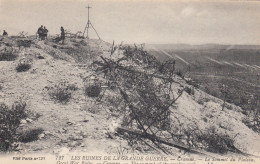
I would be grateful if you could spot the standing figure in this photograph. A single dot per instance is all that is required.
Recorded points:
(45, 33)
(5, 33)
(40, 32)
(62, 35)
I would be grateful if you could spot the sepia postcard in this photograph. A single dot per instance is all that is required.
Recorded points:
(129, 82)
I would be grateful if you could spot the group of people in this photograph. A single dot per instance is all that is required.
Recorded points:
(42, 32)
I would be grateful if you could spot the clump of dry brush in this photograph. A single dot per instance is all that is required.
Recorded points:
(62, 92)
(143, 83)
(145, 86)
(8, 54)
(11, 133)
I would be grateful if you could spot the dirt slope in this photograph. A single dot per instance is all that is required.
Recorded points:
(62, 123)
(82, 123)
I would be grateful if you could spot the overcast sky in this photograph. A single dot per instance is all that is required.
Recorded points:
(193, 22)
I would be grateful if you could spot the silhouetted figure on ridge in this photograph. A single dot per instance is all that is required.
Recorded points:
(62, 35)
(5, 33)
(45, 33)
(40, 32)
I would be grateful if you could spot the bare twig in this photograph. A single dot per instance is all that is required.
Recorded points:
(170, 143)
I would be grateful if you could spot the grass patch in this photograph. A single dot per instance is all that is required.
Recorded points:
(192, 82)
(30, 135)
(24, 43)
(72, 87)
(217, 143)
(8, 55)
(93, 110)
(10, 118)
(201, 100)
(62, 92)
(210, 140)
(23, 67)
(41, 57)
(189, 90)
(92, 91)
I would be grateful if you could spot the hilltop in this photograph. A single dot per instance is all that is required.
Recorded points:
(129, 85)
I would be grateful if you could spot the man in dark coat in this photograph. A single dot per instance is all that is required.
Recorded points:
(40, 32)
(62, 35)
(45, 32)
(5, 33)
